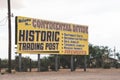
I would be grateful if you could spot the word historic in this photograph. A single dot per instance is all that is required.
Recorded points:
(42, 40)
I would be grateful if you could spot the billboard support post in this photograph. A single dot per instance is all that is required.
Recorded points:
(20, 61)
(38, 62)
(56, 62)
(85, 65)
(30, 65)
(72, 63)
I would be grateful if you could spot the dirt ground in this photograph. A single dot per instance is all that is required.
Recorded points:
(79, 74)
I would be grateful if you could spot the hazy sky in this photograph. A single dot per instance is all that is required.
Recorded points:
(101, 16)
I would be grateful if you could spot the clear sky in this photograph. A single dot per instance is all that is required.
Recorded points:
(101, 16)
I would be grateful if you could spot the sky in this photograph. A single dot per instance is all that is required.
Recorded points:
(101, 16)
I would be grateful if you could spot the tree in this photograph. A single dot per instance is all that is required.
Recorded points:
(98, 55)
(118, 55)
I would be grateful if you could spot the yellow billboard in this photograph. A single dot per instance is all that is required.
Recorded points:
(49, 37)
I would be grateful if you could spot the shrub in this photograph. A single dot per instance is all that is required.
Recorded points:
(106, 65)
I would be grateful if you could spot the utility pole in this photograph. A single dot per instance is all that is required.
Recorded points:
(9, 37)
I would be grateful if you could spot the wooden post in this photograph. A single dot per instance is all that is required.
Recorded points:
(38, 62)
(9, 37)
(72, 63)
(30, 65)
(85, 63)
(56, 62)
(20, 62)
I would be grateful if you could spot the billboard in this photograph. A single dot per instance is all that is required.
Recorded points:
(36, 36)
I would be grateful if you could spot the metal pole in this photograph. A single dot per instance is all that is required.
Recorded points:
(72, 63)
(38, 62)
(20, 62)
(9, 37)
(85, 63)
(56, 62)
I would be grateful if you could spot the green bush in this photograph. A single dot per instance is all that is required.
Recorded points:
(43, 68)
(106, 65)
(44, 64)
(52, 67)
(117, 65)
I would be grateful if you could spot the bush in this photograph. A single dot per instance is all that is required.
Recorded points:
(52, 67)
(117, 65)
(44, 68)
(44, 64)
(106, 65)
(24, 64)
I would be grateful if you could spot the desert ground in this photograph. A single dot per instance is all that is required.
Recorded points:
(65, 74)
